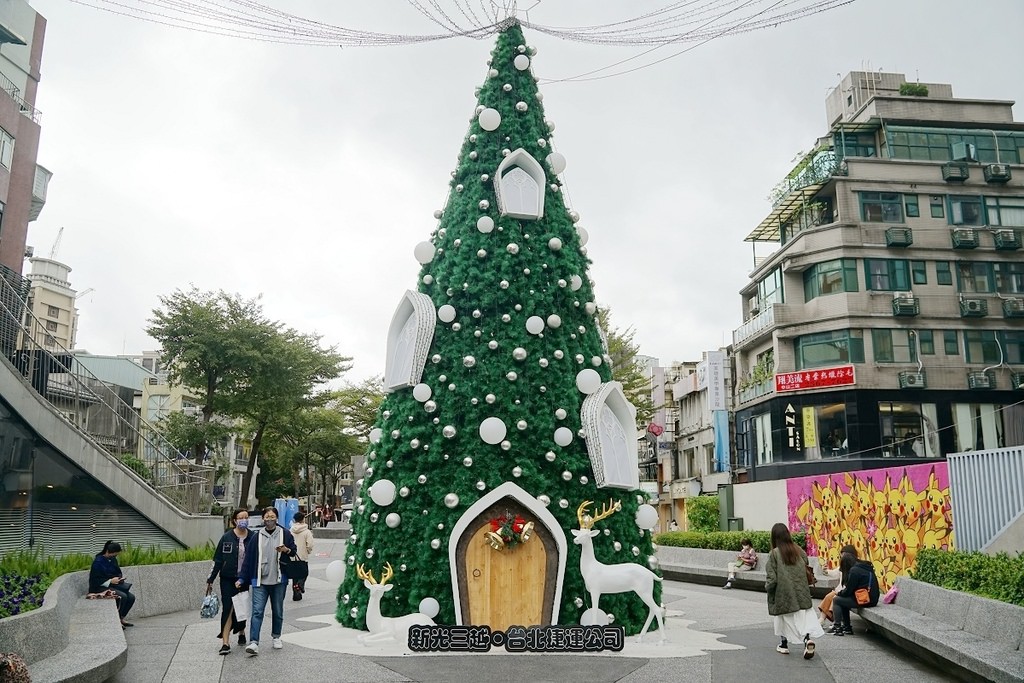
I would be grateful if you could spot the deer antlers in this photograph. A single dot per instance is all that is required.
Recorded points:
(586, 521)
(368, 576)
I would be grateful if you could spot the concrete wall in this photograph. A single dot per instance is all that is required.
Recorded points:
(189, 530)
(761, 504)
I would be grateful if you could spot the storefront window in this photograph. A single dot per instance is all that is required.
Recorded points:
(908, 430)
(761, 437)
(824, 431)
(978, 426)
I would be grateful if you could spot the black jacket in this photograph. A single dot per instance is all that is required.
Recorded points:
(103, 569)
(862, 575)
(225, 559)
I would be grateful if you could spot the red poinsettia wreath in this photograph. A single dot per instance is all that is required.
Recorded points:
(508, 531)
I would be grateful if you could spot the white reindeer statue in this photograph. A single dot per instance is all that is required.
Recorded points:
(614, 578)
(386, 628)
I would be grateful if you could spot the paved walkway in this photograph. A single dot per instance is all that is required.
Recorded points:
(718, 636)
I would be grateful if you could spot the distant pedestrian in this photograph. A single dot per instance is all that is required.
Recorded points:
(105, 574)
(745, 561)
(789, 596)
(227, 562)
(673, 526)
(328, 514)
(298, 568)
(262, 571)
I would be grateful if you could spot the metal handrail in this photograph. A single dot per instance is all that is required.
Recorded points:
(94, 408)
(9, 87)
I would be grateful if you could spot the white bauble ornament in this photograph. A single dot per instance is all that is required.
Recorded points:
(421, 392)
(435, 543)
(596, 361)
(429, 406)
(543, 362)
(489, 119)
(521, 106)
(469, 361)
(438, 213)
(393, 520)
(556, 162)
(534, 324)
(512, 248)
(588, 381)
(579, 356)
(511, 376)
(480, 486)
(446, 314)
(519, 353)
(428, 279)
(429, 607)
(575, 282)
(449, 432)
(336, 572)
(414, 444)
(492, 345)
(490, 398)
(550, 456)
(493, 430)
(375, 435)
(451, 500)
(566, 475)
(563, 436)
(583, 235)
(590, 307)
(424, 252)
(554, 244)
(521, 62)
(517, 471)
(506, 318)
(484, 205)
(563, 503)
(507, 87)
(617, 546)
(554, 322)
(382, 492)
(404, 492)
(560, 413)
(521, 425)
(481, 253)
(467, 461)
(544, 500)
(485, 224)
(646, 517)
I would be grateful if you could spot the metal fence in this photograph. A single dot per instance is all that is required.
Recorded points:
(95, 409)
(987, 491)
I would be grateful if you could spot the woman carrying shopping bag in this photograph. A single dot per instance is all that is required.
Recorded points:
(789, 595)
(298, 568)
(227, 561)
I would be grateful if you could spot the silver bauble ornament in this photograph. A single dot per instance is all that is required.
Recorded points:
(451, 500)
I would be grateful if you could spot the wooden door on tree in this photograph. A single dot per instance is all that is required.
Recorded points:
(513, 586)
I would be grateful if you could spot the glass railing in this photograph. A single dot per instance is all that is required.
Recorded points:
(816, 167)
(759, 323)
(100, 412)
(758, 390)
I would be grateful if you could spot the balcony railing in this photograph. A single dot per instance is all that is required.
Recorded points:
(759, 323)
(8, 86)
(93, 407)
(816, 167)
(758, 390)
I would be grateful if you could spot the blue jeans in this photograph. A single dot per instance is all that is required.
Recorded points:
(260, 595)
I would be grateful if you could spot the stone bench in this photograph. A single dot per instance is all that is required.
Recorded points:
(74, 639)
(699, 565)
(69, 638)
(972, 637)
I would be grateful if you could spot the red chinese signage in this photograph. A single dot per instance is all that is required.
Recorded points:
(820, 378)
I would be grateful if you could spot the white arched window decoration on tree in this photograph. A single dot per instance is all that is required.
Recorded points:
(520, 186)
(409, 337)
(609, 422)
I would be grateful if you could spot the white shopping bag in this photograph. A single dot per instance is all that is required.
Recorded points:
(242, 602)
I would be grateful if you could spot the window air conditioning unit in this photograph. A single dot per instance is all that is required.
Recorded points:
(903, 295)
(997, 173)
(153, 380)
(1006, 239)
(980, 380)
(755, 307)
(974, 306)
(912, 380)
(1013, 304)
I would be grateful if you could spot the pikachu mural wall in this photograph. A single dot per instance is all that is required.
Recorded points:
(887, 514)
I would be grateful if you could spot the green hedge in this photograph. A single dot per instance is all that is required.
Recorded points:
(25, 575)
(999, 577)
(723, 540)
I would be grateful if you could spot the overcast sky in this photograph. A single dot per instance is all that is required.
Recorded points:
(308, 174)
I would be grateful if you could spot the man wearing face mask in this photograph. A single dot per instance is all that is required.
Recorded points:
(261, 569)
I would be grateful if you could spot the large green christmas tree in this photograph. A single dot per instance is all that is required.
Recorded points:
(499, 381)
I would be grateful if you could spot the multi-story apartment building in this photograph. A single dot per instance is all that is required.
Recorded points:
(22, 181)
(51, 300)
(889, 322)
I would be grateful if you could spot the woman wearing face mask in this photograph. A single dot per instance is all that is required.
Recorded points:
(227, 561)
(264, 553)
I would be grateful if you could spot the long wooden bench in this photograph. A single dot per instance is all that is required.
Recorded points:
(708, 567)
(971, 637)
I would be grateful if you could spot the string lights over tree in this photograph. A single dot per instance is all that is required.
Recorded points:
(501, 416)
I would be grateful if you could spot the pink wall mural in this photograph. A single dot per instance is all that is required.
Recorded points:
(887, 514)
